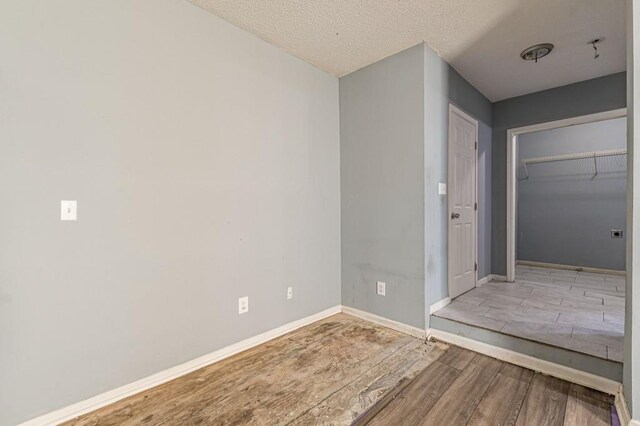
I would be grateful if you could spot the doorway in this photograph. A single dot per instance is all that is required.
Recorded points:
(514, 166)
(462, 202)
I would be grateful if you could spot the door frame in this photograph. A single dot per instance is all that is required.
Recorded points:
(512, 168)
(455, 110)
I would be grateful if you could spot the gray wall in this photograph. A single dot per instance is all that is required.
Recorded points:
(631, 379)
(206, 166)
(382, 187)
(443, 85)
(394, 124)
(565, 215)
(587, 97)
(466, 97)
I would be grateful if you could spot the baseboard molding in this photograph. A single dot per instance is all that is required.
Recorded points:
(72, 411)
(386, 322)
(571, 267)
(560, 371)
(622, 409)
(483, 281)
(439, 305)
(501, 278)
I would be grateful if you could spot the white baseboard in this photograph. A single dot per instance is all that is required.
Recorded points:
(495, 277)
(439, 305)
(622, 409)
(386, 322)
(483, 281)
(571, 267)
(72, 411)
(560, 371)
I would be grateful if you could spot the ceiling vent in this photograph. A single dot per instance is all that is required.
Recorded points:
(536, 52)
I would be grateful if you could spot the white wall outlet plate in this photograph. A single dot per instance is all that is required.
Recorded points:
(289, 293)
(442, 188)
(243, 305)
(381, 288)
(68, 210)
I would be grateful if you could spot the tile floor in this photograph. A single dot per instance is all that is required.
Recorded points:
(575, 310)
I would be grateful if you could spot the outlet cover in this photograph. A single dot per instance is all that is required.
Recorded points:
(617, 233)
(243, 305)
(68, 210)
(381, 288)
(289, 293)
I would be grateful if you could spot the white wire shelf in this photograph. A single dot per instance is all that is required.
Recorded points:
(577, 156)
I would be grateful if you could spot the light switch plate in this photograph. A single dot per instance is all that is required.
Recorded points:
(243, 305)
(68, 210)
(381, 288)
(442, 188)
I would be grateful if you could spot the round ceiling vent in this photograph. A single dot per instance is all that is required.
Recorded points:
(536, 52)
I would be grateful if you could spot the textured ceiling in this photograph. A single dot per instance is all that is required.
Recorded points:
(482, 39)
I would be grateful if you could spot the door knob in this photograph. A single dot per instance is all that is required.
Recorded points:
(455, 215)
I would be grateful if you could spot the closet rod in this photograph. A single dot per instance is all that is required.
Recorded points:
(578, 156)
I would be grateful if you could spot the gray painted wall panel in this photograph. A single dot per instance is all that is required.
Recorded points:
(587, 97)
(382, 187)
(390, 112)
(565, 215)
(484, 199)
(206, 166)
(443, 85)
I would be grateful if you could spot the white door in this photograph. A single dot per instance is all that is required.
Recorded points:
(463, 131)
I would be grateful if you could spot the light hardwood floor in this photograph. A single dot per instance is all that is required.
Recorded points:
(580, 311)
(343, 369)
(465, 388)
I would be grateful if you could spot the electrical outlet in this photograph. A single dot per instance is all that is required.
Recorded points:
(617, 233)
(243, 305)
(289, 293)
(68, 210)
(381, 288)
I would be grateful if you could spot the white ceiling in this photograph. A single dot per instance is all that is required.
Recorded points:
(482, 39)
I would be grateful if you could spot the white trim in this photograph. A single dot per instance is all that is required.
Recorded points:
(439, 305)
(634, 422)
(483, 281)
(386, 322)
(623, 409)
(560, 371)
(72, 411)
(571, 267)
(455, 110)
(512, 169)
(500, 278)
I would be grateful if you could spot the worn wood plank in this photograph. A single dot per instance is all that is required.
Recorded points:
(586, 407)
(463, 396)
(415, 401)
(457, 357)
(376, 386)
(275, 382)
(545, 403)
(501, 404)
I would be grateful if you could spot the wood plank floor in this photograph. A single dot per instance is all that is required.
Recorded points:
(574, 310)
(465, 388)
(343, 369)
(326, 373)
